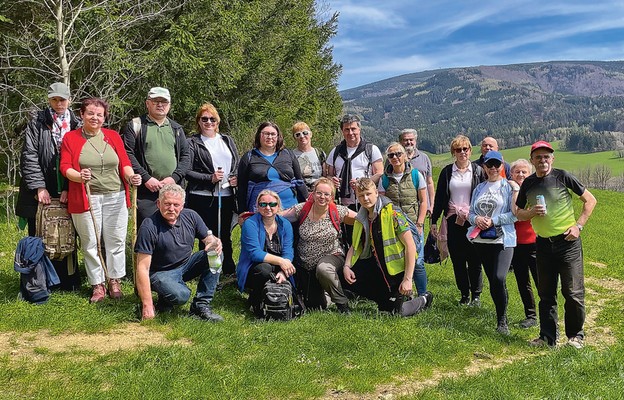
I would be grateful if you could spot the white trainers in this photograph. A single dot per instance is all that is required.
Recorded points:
(576, 342)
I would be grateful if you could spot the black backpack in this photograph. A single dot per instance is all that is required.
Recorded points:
(278, 302)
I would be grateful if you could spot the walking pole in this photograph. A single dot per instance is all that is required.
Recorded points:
(133, 195)
(219, 212)
(97, 233)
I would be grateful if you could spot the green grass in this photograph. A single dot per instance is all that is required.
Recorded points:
(321, 354)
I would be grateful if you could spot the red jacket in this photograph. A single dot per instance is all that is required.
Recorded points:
(73, 141)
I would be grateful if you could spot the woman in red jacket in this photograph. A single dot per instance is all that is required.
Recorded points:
(96, 157)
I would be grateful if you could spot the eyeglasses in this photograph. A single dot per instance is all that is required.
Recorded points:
(302, 133)
(493, 164)
(268, 134)
(322, 194)
(461, 149)
(208, 119)
(397, 154)
(162, 101)
(263, 204)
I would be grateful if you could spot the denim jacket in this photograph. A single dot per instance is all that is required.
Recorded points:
(505, 219)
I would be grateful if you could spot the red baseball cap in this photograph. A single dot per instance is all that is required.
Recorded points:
(542, 144)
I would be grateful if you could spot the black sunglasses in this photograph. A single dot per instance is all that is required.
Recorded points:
(397, 154)
(263, 204)
(302, 133)
(207, 119)
(461, 149)
(493, 163)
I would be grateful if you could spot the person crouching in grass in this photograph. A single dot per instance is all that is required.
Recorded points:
(380, 262)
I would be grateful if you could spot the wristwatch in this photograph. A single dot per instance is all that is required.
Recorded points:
(418, 224)
(580, 227)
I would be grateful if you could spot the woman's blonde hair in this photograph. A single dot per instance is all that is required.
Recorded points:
(458, 142)
(267, 192)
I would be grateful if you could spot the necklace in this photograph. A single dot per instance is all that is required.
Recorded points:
(317, 216)
(271, 228)
(100, 153)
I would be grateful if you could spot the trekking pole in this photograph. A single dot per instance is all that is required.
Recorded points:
(133, 199)
(219, 211)
(97, 232)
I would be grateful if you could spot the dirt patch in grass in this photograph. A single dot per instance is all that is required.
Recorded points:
(129, 337)
(598, 336)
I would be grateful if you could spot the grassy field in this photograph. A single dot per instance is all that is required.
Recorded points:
(71, 349)
(570, 161)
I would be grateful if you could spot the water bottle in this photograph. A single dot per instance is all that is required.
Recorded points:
(540, 200)
(214, 260)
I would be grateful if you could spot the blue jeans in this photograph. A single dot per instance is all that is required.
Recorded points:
(170, 284)
(420, 274)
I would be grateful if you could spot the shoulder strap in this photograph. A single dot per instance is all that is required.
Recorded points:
(334, 217)
(415, 178)
(320, 154)
(136, 126)
(384, 181)
(307, 206)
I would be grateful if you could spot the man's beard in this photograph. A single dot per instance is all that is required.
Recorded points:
(409, 149)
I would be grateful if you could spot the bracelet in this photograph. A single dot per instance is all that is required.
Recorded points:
(420, 224)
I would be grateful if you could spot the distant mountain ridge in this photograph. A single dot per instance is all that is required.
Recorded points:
(516, 104)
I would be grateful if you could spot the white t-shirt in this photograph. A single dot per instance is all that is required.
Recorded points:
(221, 157)
(359, 166)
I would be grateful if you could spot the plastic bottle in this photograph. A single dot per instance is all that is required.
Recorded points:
(214, 260)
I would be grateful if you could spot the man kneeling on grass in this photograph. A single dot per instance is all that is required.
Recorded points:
(165, 258)
(380, 262)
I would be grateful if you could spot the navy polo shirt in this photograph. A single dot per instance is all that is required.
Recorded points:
(170, 245)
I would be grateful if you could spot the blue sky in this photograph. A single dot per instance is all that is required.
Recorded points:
(385, 38)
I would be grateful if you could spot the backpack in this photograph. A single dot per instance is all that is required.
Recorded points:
(411, 223)
(320, 154)
(55, 228)
(385, 182)
(278, 302)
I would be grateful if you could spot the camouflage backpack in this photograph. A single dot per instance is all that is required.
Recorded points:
(55, 228)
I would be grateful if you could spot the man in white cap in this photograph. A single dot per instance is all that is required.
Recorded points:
(158, 150)
(545, 199)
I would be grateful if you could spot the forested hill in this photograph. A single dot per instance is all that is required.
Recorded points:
(580, 102)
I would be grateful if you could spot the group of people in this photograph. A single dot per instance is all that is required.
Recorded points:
(331, 225)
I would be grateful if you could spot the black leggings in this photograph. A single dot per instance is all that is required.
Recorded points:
(496, 260)
(466, 262)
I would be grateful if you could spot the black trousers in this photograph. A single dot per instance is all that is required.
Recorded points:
(466, 261)
(524, 263)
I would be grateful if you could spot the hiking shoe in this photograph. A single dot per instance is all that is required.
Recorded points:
(343, 308)
(428, 298)
(541, 342)
(205, 313)
(528, 323)
(502, 327)
(162, 306)
(464, 301)
(99, 293)
(576, 342)
(114, 288)
(476, 302)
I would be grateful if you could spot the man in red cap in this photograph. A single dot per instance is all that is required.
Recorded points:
(545, 199)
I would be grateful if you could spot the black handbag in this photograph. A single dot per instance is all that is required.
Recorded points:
(432, 253)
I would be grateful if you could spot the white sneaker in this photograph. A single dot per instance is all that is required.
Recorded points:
(576, 342)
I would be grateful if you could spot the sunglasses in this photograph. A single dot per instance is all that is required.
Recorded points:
(493, 164)
(461, 150)
(302, 133)
(397, 154)
(263, 204)
(208, 119)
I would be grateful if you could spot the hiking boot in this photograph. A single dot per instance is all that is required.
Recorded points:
(114, 288)
(99, 293)
(541, 342)
(464, 301)
(343, 308)
(502, 327)
(576, 342)
(428, 298)
(528, 323)
(162, 306)
(205, 313)
(476, 302)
